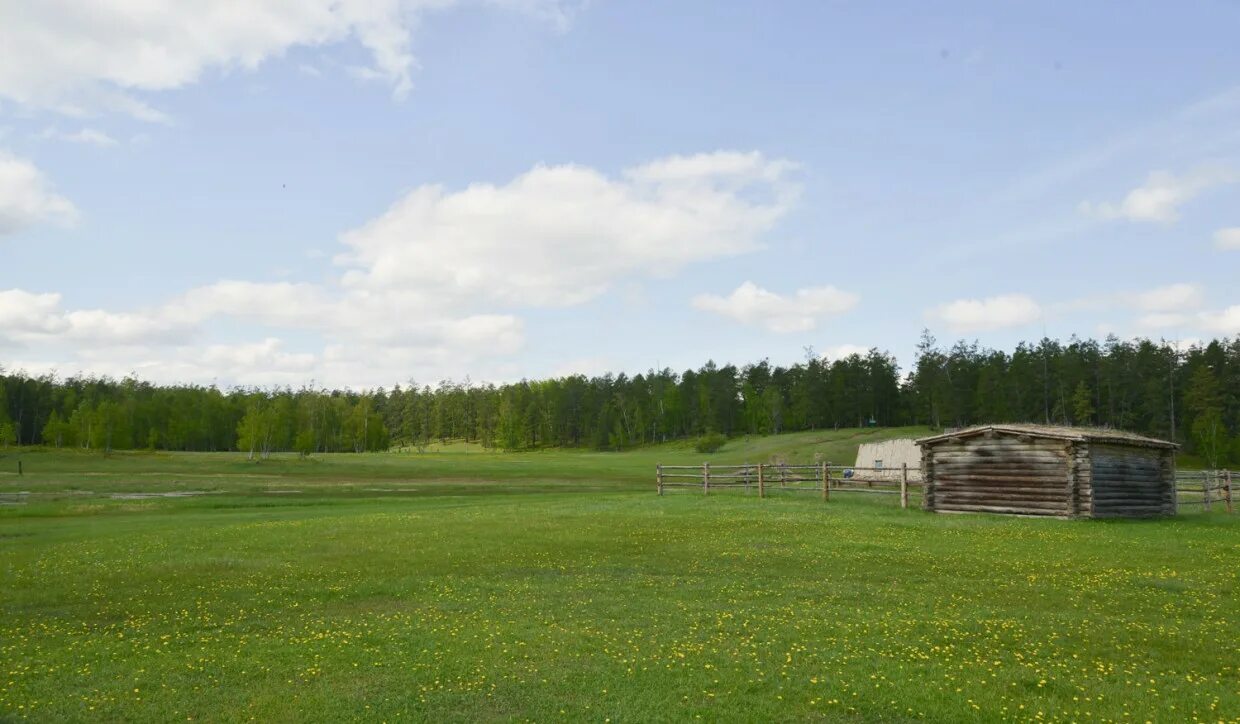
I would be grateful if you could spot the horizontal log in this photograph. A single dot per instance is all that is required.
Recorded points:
(1121, 451)
(985, 452)
(1002, 492)
(1112, 487)
(1047, 503)
(1123, 500)
(1029, 453)
(1117, 488)
(1046, 500)
(1135, 514)
(1052, 505)
(1165, 493)
(1114, 478)
(963, 508)
(1060, 479)
(1007, 441)
(1127, 474)
(999, 464)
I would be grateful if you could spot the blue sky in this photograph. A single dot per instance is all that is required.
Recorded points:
(363, 192)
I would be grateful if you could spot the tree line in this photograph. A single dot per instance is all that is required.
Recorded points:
(1192, 397)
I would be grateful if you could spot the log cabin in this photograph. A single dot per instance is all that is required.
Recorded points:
(1066, 472)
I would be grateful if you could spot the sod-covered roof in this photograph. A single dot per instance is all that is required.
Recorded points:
(1054, 432)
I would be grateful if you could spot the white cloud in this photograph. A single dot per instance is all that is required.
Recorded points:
(800, 312)
(1164, 320)
(1170, 298)
(23, 313)
(1160, 197)
(29, 317)
(89, 136)
(241, 359)
(843, 351)
(26, 197)
(431, 287)
(1225, 322)
(561, 235)
(83, 57)
(1227, 239)
(586, 366)
(1000, 312)
(255, 363)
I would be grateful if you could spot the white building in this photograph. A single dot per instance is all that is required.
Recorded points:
(889, 455)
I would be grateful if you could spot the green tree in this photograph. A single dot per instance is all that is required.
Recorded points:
(1082, 404)
(1210, 437)
(57, 431)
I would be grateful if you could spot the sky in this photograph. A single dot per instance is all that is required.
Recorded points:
(360, 193)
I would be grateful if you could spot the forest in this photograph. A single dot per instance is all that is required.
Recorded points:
(1190, 396)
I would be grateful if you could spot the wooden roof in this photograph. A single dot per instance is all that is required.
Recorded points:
(1055, 432)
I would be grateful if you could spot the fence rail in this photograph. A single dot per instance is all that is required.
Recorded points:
(821, 478)
(1196, 487)
(1204, 488)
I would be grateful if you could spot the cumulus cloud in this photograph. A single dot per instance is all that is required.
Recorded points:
(799, 312)
(1163, 320)
(1225, 322)
(435, 282)
(79, 58)
(264, 362)
(843, 351)
(26, 197)
(27, 317)
(1170, 298)
(1159, 199)
(561, 235)
(23, 313)
(976, 315)
(1227, 239)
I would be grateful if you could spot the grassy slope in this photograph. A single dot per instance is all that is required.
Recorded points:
(55, 470)
(614, 604)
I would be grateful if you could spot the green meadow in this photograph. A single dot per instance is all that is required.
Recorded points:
(465, 585)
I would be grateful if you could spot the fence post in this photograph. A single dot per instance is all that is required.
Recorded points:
(826, 483)
(658, 477)
(761, 483)
(746, 468)
(1205, 489)
(783, 475)
(903, 485)
(705, 478)
(1227, 490)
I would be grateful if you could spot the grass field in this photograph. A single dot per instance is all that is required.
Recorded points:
(557, 586)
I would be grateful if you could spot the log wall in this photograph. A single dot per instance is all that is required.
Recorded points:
(1000, 473)
(1132, 481)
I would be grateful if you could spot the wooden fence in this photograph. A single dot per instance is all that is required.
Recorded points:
(1204, 488)
(764, 478)
(1193, 487)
